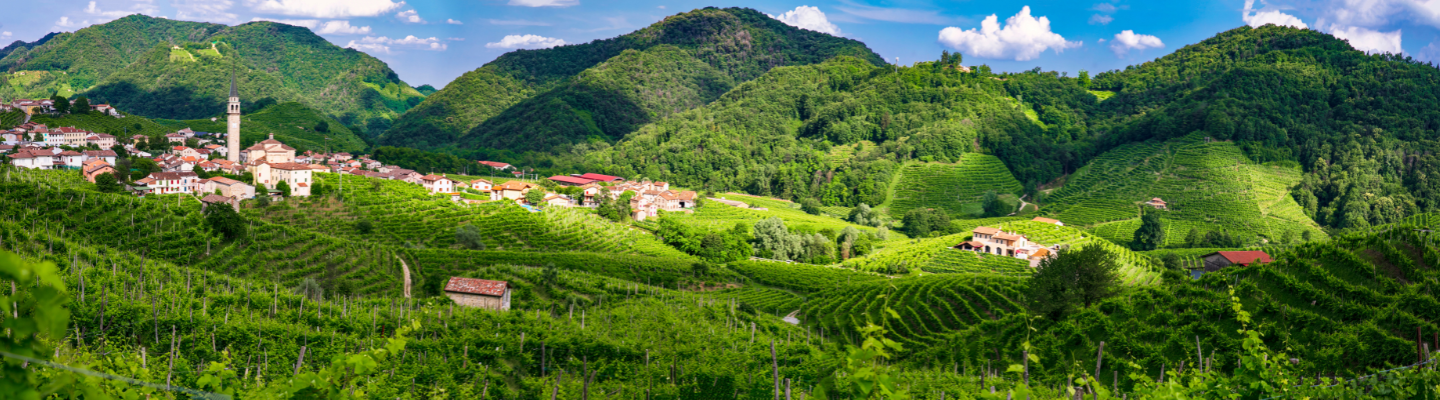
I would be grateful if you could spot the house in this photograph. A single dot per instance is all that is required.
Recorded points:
(218, 200)
(437, 184)
(215, 148)
(996, 241)
(479, 293)
(297, 176)
(101, 140)
(496, 165)
(96, 167)
(105, 109)
(173, 182)
(1157, 203)
(481, 185)
(570, 180)
(107, 155)
(1221, 259)
(677, 201)
(341, 157)
(1048, 221)
(227, 187)
(558, 200)
(71, 159)
(601, 178)
(588, 198)
(403, 175)
(268, 150)
(137, 139)
(175, 137)
(512, 190)
(319, 168)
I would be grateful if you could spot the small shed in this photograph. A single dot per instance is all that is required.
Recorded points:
(1221, 259)
(479, 293)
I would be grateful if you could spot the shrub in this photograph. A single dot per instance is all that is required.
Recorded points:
(468, 236)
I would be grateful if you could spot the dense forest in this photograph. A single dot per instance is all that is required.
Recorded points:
(598, 90)
(162, 68)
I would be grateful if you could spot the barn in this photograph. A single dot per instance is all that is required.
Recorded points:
(479, 293)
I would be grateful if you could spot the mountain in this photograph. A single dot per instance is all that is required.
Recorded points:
(606, 88)
(163, 68)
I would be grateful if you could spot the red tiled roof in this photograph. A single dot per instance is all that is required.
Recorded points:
(571, 180)
(477, 286)
(1244, 257)
(494, 164)
(599, 177)
(1007, 236)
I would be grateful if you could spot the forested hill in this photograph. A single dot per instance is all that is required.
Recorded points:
(163, 68)
(543, 94)
(1361, 126)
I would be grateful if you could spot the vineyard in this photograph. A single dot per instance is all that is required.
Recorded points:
(956, 188)
(716, 216)
(929, 307)
(11, 119)
(1210, 186)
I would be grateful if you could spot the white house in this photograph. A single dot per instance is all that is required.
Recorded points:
(72, 159)
(107, 155)
(437, 184)
(33, 160)
(173, 182)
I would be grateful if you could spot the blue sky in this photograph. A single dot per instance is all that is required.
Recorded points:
(434, 41)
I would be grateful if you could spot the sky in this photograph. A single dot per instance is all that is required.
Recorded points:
(435, 41)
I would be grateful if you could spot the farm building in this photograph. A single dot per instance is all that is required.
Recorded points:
(1221, 259)
(1157, 203)
(479, 293)
(601, 178)
(570, 180)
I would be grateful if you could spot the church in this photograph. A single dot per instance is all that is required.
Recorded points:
(269, 161)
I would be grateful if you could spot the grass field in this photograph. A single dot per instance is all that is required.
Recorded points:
(1209, 186)
(956, 188)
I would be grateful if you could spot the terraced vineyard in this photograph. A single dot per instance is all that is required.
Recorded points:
(11, 119)
(716, 216)
(952, 261)
(405, 214)
(956, 188)
(1209, 186)
(930, 307)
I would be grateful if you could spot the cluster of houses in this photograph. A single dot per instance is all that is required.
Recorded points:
(32, 107)
(31, 133)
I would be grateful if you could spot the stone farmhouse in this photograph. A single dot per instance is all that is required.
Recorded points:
(990, 240)
(479, 293)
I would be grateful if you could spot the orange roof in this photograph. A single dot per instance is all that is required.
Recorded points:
(985, 230)
(517, 185)
(1046, 220)
(1008, 236)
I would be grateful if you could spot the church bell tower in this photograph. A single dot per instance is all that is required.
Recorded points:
(232, 137)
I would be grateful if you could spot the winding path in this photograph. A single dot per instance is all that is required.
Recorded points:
(405, 268)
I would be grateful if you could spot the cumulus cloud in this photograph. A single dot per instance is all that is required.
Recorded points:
(324, 8)
(518, 22)
(807, 17)
(1105, 8)
(453, 22)
(1099, 19)
(6, 35)
(342, 28)
(65, 22)
(1431, 52)
(1127, 40)
(1024, 37)
(1370, 41)
(525, 42)
(1258, 19)
(383, 45)
(410, 17)
(205, 10)
(544, 3)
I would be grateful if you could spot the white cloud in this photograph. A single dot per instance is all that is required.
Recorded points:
(65, 22)
(1105, 8)
(518, 22)
(661, 7)
(453, 22)
(900, 15)
(324, 8)
(308, 23)
(205, 10)
(455, 39)
(107, 15)
(525, 42)
(544, 3)
(1430, 52)
(410, 17)
(1128, 40)
(1370, 41)
(342, 28)
(1023, 38)
(382, 44)
(6, 35)
(807, 17)
(1258, 19)
(1099, 19)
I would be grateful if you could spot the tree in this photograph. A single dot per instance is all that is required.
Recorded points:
(62, 105)
(143, 167)
(920, 222)
(992, 206)
(224, 220)
(106, 183)
(1151, 234)
(322, 127)
(1074, 276)
(364, 227)
(810, 206)
(468, 236)
(535, 197)
(773, 240)
(82, 105)
(284, 188)
(1084, 79)
(192, 142)
(1192, 239)
(863, 215)
(310, 289)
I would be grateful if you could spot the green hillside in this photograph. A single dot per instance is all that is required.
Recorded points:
(735, 44)
(133, 64)
(956, 188)
(1209, 185)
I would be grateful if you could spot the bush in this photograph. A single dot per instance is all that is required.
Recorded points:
(364, 227)
(106, 183)
(468, 236)
(310, 289)
(921, 222)
(863, 215)
(810, 206)
(1074, 276)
